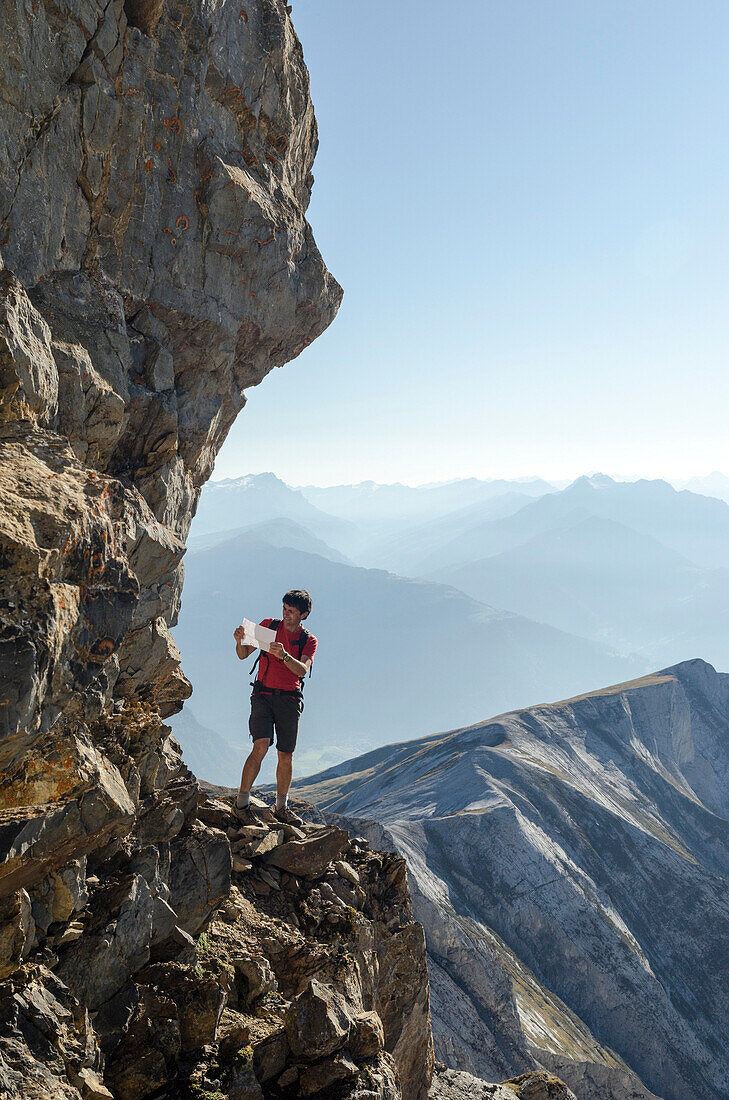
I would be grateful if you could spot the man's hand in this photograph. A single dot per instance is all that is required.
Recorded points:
(277, 650)
(243, 651)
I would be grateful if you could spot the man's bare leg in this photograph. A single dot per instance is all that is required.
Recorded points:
(251, 769)
(284, 774)
(284, 771)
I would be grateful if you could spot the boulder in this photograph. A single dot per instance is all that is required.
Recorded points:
(147, 1056)
(271, 1054)
(199, 877)
(215, 812)
(367, 1035)
(539, 1086)
(198, 996)
(322, 1075)
(310, 858)
(254, 977)
(347, 871)
(318, 1022)
(257, 848)
(233, 1033)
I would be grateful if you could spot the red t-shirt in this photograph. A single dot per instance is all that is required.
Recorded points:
(274, 673)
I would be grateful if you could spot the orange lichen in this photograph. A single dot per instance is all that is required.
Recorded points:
(174, 126)
(182, 222)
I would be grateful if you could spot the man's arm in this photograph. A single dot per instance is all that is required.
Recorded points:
(243, 651)
(299, 668)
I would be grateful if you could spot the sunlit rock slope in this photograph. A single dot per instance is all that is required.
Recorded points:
(570, 864)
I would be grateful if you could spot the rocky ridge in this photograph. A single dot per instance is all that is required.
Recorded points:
(569, 863)
(309, 975)
(305, 974)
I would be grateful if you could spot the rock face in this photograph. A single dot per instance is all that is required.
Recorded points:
(570, 866)
(155, 262)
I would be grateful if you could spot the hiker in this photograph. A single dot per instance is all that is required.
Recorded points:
(277, 702)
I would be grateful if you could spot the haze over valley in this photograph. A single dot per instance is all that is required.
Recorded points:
(441, 605)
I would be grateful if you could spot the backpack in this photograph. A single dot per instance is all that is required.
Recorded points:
(303, 639)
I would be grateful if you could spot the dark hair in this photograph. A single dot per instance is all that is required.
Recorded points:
(300, 599)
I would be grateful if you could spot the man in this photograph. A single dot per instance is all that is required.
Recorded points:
(277, 703)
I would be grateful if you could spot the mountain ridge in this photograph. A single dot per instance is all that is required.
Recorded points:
(566, 830)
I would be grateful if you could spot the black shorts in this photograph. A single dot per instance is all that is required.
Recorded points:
(276, 712)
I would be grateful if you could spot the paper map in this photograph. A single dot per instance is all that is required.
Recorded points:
(258, 636)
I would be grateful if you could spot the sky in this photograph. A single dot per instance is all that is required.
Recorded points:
(525, 202)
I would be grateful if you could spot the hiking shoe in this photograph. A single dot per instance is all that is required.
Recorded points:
(246, 815)
(287, 816)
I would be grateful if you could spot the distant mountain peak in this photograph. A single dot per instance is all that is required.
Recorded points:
(248, 481)
(593, 481)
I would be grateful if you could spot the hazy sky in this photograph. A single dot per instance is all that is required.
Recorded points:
(526, 204)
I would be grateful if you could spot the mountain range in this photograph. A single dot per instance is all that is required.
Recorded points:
(396, 655)
(570, 864)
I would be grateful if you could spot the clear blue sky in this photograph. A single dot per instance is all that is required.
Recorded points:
(526, 204)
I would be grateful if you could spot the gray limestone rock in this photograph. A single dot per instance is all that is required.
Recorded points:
(28, 372)
(319, 1022)
(312, 856)
(199, 875)
(562, 861)
(156, 262)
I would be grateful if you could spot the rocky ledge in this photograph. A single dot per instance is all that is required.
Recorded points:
(453, 1084)
(217, 961)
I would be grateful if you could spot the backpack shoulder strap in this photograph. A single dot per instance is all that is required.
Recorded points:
(303, 639)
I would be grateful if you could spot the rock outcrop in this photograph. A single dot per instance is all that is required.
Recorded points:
(569, 863)
(450, 1084)
(301, 983)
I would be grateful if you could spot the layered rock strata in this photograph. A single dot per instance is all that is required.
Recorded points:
(569, 863)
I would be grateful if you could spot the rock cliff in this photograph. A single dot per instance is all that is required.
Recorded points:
(569, 863)
(156, 262)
